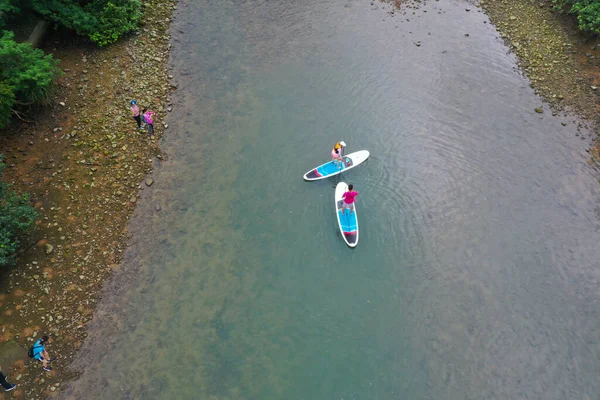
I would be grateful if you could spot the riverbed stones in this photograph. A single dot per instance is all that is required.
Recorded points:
(149, 181)
(49, 248)
(539, 110)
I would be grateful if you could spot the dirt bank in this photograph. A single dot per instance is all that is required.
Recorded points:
(84, 163)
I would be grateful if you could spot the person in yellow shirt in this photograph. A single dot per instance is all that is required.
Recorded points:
(337, 153)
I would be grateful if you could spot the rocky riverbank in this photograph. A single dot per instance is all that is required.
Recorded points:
(84, 163)
(559, 60)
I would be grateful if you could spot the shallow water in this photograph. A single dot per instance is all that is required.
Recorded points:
(476, 274)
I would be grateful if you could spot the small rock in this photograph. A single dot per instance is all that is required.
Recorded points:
(52, 388)
(133, 199)
(539, 110)
(149, 181)
(62, 103)
(467, 9)
(563, 123)
(36, 277)
(49, 248)
(594, 87)
(157, 207)
(466, 34)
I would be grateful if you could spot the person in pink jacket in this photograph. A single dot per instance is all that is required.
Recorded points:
(149, 119)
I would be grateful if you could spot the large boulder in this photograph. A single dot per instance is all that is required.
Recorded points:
(11, 352)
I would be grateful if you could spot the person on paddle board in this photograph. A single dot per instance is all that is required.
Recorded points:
(337, 154)
(348, 197)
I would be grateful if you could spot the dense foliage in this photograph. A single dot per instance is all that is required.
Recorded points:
(587, 12)
(27, 71)
(26, 75)
(103, 21)
(7, 7)
(7, 102)
(16, 217)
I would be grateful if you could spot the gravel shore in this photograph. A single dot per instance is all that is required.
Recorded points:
(84, 163)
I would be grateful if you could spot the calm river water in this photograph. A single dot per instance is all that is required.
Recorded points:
(477, 272)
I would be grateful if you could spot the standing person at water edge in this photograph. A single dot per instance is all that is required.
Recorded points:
(348, 197)
(38, 351)
(7, 386)
(135, 111)
(338, 152)
(149, 119)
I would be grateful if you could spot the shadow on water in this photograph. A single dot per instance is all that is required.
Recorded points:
(475, 274)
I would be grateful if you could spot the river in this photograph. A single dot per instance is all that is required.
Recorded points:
(476, 275)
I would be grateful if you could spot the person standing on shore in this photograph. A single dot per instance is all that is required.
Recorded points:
(149, 119)
(7, 386)
(39, 352)
(135, 110)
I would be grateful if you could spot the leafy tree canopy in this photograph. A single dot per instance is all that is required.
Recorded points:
(103, 21)
(28, 72)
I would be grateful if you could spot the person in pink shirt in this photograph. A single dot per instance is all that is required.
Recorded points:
(149, 119)
(348, 197)
(135, 111)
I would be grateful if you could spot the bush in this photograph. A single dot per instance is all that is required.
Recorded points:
(16, 217)
(587, 12)
(7, 7)
(26, 75)
(28, 72)
(103, 21)
(7, 102)
(115, 20)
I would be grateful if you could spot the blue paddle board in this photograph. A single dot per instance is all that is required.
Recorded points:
(348, 222)
(331, 169)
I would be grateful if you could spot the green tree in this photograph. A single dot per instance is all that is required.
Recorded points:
(103, 21)
(587, 12)
(16, 217)
(7, 102)
(26, 75)
(27, 71)
(7, 7)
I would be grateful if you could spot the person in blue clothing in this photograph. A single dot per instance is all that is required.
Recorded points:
(40, 353)
(7, 386)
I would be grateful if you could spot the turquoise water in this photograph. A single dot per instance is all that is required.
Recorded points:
(476, 272)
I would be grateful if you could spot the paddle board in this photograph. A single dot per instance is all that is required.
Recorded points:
(347, 222)
(330, 169)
